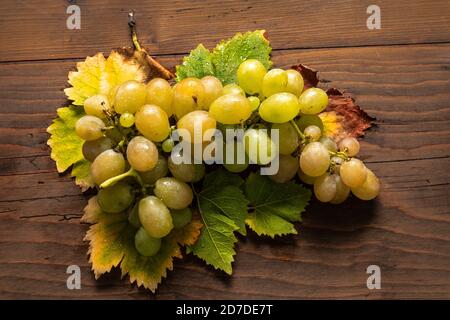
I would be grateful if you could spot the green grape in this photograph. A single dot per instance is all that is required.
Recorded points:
(146, 246)
(159, 93)
(106, 165)
(213, 89)
(342, 191)
(155, 217)
(294, 83)
(349, 145)
(275, 81)
(186, 172)
(153, 123)
(259, 147)
(314, 159)
(181, 217)
(313, 101)
(325, 188)
(194, 125)
(305, 178)
(369, 189)
(91, 149)
(329, 143)
(89, 128)
(233, 165)
(254, 102)
(130, 96)
(115, 198)
(97, 106)
(174, 193)
(233, 88)
(250, 74)
(287, 169)
(309, 120)
(288, 138)
(337, 162)
(279, 108)
(230, 109)
(133, 216)
(126, 120)
(168, 145)
(353, 173)
(142, 154)
(188, 95)
(159, 171)
(313, 132)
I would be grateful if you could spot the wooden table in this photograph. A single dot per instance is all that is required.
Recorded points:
(399, 74)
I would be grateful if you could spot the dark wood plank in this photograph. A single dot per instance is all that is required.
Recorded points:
(35, 29)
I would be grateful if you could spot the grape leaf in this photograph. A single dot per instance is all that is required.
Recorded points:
(198, 64)
(275, 205)
(223, 208)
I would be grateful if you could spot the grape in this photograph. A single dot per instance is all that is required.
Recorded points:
(114, 134)
(342, 191)
(126, 120)
(91, 149)
(233, 88)
(353, 173)
(309, 120)
(294, 83)
(142, 154)
(174, 193)
(153, 123)
(146, 246)
(250, 75)
(159, 92)
(314, 159)
(234, 165)
(97, 106)
(336, 161)
(288, 137)
(305, 178)
(213, 89)
(186, 172)
(159, 171)
(279, 108)
(349, 145)
(254, 102)
(275, 81)
(130, 96)
(133, 216)
(329, 143)
(288, 167)
(89, 128)
(181, 217)
(116, 198)
(196, 123)
(313, 132)
(188, 95)
(369, 189)
(313, 101)
(325, 188)
(108, 164)
(230, 109)
(155, 217)
(259, 147)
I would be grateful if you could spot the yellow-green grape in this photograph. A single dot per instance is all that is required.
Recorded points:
(142, 154)
(159, 92)
(153, 123)
(325, 188)
(313, 101)
(126, 120)
(233, 164)
(353, 173)
(181, 217)
(133, 216)
(305, 178)
(186, 172)
(294, 83)
(230, 109)
(313, 132)
(254, 102)
(314, 159)
(196, 123)
(130, 96)
(342, 191)
(155, 217)
(106, 165)
(116, 198)
(168, 145)
(287, 169)
(174, 193)
(91, 149)
(275, 81)
(188, 95)
(349, 145)
(336, 162)
(250, 75)
(259, 147)
(233, 88)
(288, 138)
(146, 246)
(97, 106)
(89, 128)
(159, 171)
(309, 120)
(369, 189)
(213, 89)
(329, 143)
(279, 108)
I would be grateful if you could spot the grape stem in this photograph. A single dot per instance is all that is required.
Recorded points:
(340, 154)
(130, 173)
(132, 25)
(299, 132)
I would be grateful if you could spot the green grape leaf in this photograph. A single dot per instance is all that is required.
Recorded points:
(275, 205)
(223, 209)
(198, 64)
